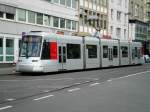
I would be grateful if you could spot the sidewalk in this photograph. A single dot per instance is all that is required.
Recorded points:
(6, 69)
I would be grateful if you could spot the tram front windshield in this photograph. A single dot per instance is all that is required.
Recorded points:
(31, 46)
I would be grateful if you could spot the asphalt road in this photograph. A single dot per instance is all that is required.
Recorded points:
(124, 89)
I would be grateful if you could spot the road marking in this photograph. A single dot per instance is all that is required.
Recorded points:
(75, 89)
(109, 80)
(10, 99)
(94, 84)
(44, 97)
(87, 81)
(46, 91)
(36, 80)
(77, 83)
(3, 108)
(131, 75)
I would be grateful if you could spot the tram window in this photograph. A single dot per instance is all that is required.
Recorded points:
(73, 51)
(136, 52)
(92, 51)
(133, 53)
(105, 51)
(124, 51)
(115, 51)
(45, 51)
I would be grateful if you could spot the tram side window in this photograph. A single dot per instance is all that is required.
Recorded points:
(73, 51)
(124, 51)
(133, 53)
(45, 51)
(136, 52)
(92, 51)
(115, 51)
(105, 51)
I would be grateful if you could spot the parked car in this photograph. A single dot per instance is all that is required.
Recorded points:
(146, 58)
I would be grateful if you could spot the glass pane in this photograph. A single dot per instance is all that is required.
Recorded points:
(105, 51)
(68, 3)
(31, 17)
(31, 46)
(56, 1)
(68, 24)
(73, 51)
(62, 23)
(9, 58)
(55, 21)
(1, 46)
(73, 25)
(21, 15)
(46, 20)
(92, 51)
(74, 4)
(62, 2)
(1, 14)
(40, 18)
(9, 16)
(1, 58)
(9, 46)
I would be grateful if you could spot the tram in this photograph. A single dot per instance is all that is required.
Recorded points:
(48, 52)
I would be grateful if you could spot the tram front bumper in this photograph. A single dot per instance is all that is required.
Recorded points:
(29, 68)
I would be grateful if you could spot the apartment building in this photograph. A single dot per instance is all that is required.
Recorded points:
(118, 19)
(17, 16)
(93, 14)
(138, 27)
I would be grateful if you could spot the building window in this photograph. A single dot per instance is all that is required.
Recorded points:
(74, 25)
(47, 20)
(118, 32)
(55, 22)
(118, 16)
(73, 51)
(119, 2)
(31, 17)
(1, 14)
(68, 24)
(92, 51)
(68, 3)
(56, 1)
(10, 16)
(125, 31)
(21, 15)
(62, 23)
(111, 30)
(63, 2)
(39, 19)
(74, 4)
(112, 11)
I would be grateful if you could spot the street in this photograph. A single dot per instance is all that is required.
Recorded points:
(122, 89)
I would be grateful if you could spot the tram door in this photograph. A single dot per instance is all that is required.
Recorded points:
(62, 57)
(110, 55)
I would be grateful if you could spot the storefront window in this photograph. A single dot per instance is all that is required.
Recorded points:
(9, 49)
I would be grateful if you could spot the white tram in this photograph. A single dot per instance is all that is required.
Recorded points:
(47, 52)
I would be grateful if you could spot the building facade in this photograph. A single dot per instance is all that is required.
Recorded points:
(93, 14)
(118, 19)
(19, 16)
(147, 19)
(138, 27)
